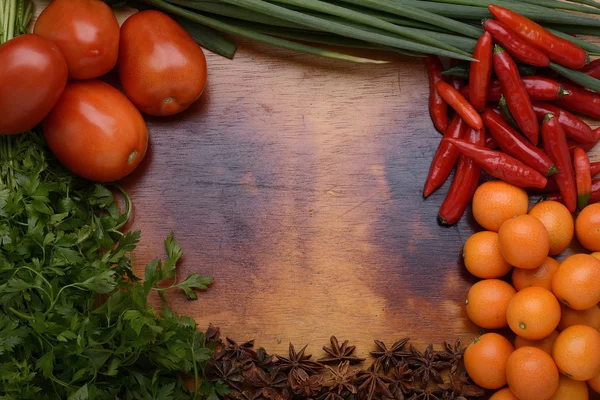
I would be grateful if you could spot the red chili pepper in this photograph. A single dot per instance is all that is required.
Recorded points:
(514, 145)
(550, 187)
(516, 95)
(555, 144)
(501, 166)
(456, 82)
(581, 101)
(458, 102)
(538, 88)
(583, 177)
(584, 146)
(464, 183)
(490, 144)
(480, 72)
(445, 157)
(438, 110)
(594, 198)
(592, 69)
(574, 127)
(595, 168)
(557, 49)
(517, 47)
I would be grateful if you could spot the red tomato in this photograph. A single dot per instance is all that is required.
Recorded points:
(87, 33)
(162, 69)
(96, 132)
(33, 75)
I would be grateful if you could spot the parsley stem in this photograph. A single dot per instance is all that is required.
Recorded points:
(21, 315)
(128, 208)
(195, 366)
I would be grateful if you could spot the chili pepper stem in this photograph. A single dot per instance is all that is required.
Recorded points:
(563, 92)
(552, 171)
(548, 117)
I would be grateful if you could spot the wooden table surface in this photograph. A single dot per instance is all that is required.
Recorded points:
(297, 183)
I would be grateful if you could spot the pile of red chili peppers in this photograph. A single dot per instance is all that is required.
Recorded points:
(496, 122)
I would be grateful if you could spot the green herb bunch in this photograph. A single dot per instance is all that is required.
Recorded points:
(75, 322)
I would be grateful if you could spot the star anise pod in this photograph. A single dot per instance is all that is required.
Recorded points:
(372, 383)
(388, 358)
(225, 371)
(261, 360)
(402, 381)
(212, 334)
(453, 353)
(427, 366)
(273, 379)
(297, 360)
(237, 352)
(339, 353)
(304, 385)
(245, 395)
(426, 394)
(461, 385)
(341, 379)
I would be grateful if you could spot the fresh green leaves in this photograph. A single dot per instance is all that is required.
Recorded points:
(75, 321)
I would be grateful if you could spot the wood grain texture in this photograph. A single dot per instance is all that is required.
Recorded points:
(297, 183)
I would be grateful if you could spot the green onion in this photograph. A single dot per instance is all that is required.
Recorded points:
(591, 48)
(591, 3)
(342, 29)
(394, 19)
(574, 29)
(477, 9)
(374, 22)
(209, 38)
(578, 77)
(564, 5)
(259, 37)
(231, 11)
(330, 40)
(394, 7)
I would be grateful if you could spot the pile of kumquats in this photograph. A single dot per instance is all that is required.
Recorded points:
(496, 124)
(514, 125)
(552, 308)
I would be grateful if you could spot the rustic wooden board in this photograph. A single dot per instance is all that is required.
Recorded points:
(296, 182)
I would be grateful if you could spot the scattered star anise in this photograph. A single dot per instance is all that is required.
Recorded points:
(427, 366)
(453, 353)
(372, 383)
(304, 385)
(273, 379)
(342, 379)
(389, 358)
(402, 381)
(225, 371)
(237, 352)
(460, 385)
(297, 360)
(427, 394)
(339, 353)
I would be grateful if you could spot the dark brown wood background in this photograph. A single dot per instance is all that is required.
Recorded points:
(296, 182)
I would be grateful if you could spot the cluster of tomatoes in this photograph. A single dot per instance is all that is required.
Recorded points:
(551, 308)
(95, 130)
